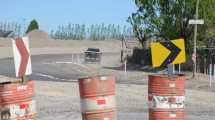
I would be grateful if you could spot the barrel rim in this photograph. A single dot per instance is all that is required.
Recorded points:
(167, 110)
(167, 76)
(14, 83)
(97, 76)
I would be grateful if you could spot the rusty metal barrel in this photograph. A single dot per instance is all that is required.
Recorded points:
(16, 101)
(166, 96)
(97, 95)
(12, 93)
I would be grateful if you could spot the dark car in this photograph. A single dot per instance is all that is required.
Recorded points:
(93, 55)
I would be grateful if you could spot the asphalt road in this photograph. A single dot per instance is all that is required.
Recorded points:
(48, 67)
(64, 67)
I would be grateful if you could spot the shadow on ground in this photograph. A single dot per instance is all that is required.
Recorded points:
(135, 67)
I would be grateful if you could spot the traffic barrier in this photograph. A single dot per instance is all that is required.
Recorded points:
(98, 98)
(166, 97)
(16, 101)
(12, 93)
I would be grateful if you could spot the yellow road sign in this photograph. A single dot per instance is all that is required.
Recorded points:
(164, 53)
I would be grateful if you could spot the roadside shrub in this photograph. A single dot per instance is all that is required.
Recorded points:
(32, 26)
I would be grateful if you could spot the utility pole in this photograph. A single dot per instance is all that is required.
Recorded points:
(195, 37)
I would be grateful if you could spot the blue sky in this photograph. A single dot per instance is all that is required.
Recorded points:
(51, 13)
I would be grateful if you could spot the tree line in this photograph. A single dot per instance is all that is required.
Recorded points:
(91, 32)
(15, 27)
(72, 31)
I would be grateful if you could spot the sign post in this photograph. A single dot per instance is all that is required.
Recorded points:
(22, 59)
(195, 22)
(210, 75)
(125, 68)
(170, 69)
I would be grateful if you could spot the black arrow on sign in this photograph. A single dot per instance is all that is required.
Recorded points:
(174, 52)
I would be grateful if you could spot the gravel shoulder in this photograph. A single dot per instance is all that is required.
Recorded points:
(60, 101)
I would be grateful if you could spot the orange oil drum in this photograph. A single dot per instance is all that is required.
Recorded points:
(166, 97)
(11, 93)
(98, 98)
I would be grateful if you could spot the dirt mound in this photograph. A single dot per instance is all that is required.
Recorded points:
(38, 38)
(41, 43)
(38, 34)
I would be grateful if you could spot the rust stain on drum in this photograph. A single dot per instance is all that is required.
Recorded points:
(164, 85)
(95, 86)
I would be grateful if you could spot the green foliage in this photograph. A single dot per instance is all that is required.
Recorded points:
(32, 26)
(138, 28)
(92, 32)
(169, 19)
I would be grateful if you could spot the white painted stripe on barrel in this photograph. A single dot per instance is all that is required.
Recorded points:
(5, 93)
(172, 85)
(163, 102)
(106, 118)
(172, 115)
(89, 104)
(104, 78)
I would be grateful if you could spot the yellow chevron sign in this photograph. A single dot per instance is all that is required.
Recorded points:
(164, 53)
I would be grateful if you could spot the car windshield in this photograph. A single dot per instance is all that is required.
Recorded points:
(93, 50)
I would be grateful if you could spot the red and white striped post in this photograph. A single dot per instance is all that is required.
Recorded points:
(22, 59)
